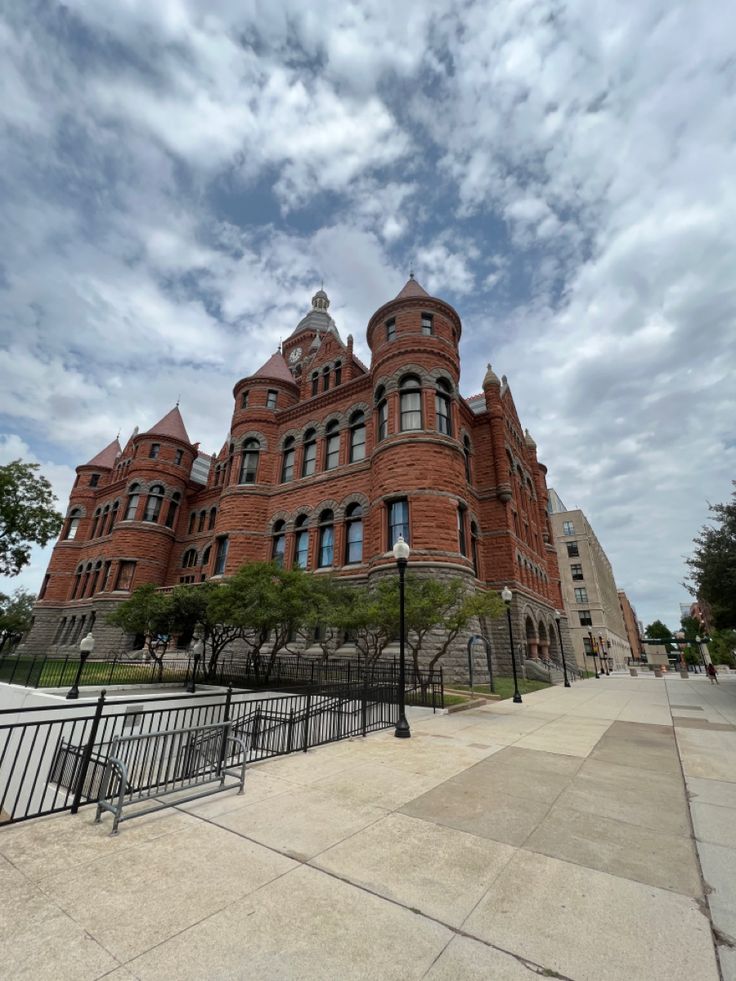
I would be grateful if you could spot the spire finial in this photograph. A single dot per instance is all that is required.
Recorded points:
(118, 435)
(411, 271)
(178, 400)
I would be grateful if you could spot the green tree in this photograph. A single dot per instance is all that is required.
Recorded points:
(661, 632)
(713, 564)
(325, 617)
(371, 615)
(446, 608)
(722, 647)
(27, 514)
(151, 613)
(204, 610)
(16, 612)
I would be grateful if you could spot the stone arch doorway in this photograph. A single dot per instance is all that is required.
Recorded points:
(531, 638)
(543, 641)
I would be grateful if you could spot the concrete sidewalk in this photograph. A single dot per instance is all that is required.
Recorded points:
(552, 838)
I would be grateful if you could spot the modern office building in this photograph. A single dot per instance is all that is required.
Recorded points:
(589, 592)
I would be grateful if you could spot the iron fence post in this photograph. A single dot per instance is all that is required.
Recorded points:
(290, 730)
(15, 668)
(87, 755)
(228, 702)
(306, 723)
(364, 706)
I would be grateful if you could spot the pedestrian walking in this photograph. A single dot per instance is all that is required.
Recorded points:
(712, 673)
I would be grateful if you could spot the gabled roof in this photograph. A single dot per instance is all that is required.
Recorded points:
(172, 425)
(411, 288)
(277, 368)
(106, 458)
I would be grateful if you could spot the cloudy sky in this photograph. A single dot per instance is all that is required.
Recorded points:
(177, 177)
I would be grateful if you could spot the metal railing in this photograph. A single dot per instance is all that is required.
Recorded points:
(52, 759)
(289, 672)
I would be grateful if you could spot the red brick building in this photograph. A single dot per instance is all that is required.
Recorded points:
(326, 462)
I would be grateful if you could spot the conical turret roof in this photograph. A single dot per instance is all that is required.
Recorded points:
(277, 368)
(106, 458)
(411, 288)
(171, 426)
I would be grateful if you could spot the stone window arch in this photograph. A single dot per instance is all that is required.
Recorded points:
(315, 383)
(332, 445)
(212, 519)
(72, 526)
(189, 559)
(113, 515)
(201, 521)
(301, 541)
(381, 413)
(325, 378)
(173, 508)
(474, 547)
(338, 373)
(287, 460)
(467, 451)
(443, 406)
(95, 523)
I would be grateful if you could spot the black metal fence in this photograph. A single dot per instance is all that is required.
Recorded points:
(52, 759)
(284, 672)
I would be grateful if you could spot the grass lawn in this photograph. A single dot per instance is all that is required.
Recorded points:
(34, 672)
(505, 687)
(455, 699)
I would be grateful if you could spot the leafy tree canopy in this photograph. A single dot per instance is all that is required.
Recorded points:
(27, 515)
(16, 612)
(659, 631)
(713, 564)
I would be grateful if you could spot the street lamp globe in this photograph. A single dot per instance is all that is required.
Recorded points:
(401, 550)
(506, 595)
(87, 644)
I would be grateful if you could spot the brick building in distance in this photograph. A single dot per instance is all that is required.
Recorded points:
(326, 462)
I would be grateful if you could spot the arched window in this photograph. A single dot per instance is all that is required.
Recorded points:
(357, 437)
(77, 580)
(206, 556)
(287, 461)
(332, 446)
(221, 556)
(132, 507)
(192, 519)
(95, 578)
(249, 465)
(353, 534)
(315, 382)
(73, 525)
(173, 508)
(442, 404)
(326, 539)
(301, 542)
(474, 545)
(461, 537)
(398, 521)
(278, 546)
(153, 503)
(85, 580)
(338, 373)
(466, 454)
(213, 518)
(189, 559)
(103, 522)
(410, 403)
(113, 516)
(382, 413)
(95, 522)
(309, 460)
(325, 378)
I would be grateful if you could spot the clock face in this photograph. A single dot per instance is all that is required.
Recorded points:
(295, 355)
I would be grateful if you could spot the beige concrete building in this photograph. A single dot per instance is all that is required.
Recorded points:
(589, 591)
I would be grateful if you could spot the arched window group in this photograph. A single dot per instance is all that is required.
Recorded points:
(328, 371)
(326, 554)
(189, 559)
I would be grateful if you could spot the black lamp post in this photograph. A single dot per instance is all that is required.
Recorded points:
(197, 651)
(558, 616)
(592, 651)
(604, 657)
(86, 647)
(401, 554)
(507, 596)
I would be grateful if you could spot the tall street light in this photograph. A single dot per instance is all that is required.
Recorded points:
(558, 617)
(86, 647)
(401, 554)
(603, 657)
(507, 596)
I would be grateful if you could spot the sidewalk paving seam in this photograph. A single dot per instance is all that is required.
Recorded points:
(539, 969)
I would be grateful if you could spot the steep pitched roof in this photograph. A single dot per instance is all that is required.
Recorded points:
(172, 425)
(277, 368)
(411, 288)
(106, 458)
